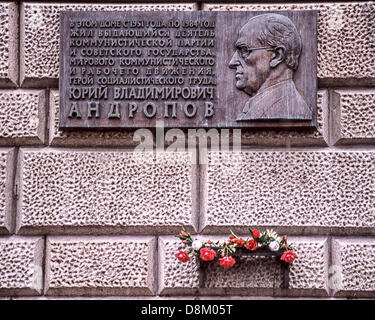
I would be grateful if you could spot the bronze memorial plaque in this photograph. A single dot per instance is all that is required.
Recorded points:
(189, 69)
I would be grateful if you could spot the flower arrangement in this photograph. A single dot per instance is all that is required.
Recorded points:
(268, 240)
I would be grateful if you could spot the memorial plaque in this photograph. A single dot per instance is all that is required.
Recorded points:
(189, 69)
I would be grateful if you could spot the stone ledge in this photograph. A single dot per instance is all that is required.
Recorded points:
(21, 265)
(100, 266)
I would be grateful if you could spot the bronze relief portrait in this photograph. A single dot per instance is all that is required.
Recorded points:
(266, 56)
(206, 69)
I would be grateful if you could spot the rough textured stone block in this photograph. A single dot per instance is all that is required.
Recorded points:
(100, 265)
(40, 35)
(22, 117)
(8, 44)
(21, 266)
(104, 191)
(250, 276)
(84, 137)
(101, 298)
(6, 178)
(353, 116)
(295, 191)
(345, 38)
(290, 137)
(354, 262)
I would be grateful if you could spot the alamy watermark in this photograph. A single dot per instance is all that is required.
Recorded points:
(197, 142)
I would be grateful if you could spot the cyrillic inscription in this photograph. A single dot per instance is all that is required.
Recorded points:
(129, 69)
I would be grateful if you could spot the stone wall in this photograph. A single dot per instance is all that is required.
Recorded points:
(79, 217)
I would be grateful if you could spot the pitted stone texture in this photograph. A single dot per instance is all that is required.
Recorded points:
(84, 137)
(40, 35)
(353, 113)
(100, 265)
(354, 260)
(345, 36)
(8, 44)
(102, 298)
(176, 277)
(290, 137)
(65, 190)
(300, 191)
(22, 117)
(310, 270)
(6, 177)
(21, 266)
(250, 275)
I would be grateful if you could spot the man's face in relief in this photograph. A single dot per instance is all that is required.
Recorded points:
(250, 60)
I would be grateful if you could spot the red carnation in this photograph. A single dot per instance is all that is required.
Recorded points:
(182, 256)
(207, 254)
(256, 233)
(288, 256)
(183, 234)
(251, 245)
(240, 242)
(227, 262)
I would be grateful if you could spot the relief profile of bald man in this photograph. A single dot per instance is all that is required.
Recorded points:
(266, 56)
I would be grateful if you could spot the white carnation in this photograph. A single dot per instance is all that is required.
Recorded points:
(274, 246)
(196, 244)
(272, 234)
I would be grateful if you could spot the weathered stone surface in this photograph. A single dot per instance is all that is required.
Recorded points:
(100, 265)
(252, 276)
(6, 177)
(290, 137)
(353, 114)
(100, 298)
(40, 35)
(345, 38)
(176, 277)
(8, 44)
(295, 191)
(21, 265)
(354, 262)
(22, 117)
(84, 137)
(64, 190)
